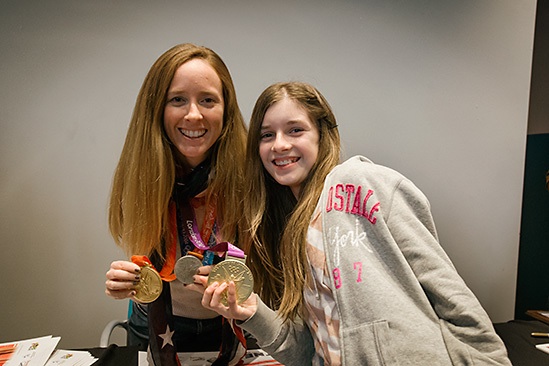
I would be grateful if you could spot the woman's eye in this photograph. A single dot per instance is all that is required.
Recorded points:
(209, 102)
(296, 130)
(177, 100)
(265, 135)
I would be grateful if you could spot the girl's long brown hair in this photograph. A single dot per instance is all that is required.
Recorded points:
(275, 222)
(144, 178)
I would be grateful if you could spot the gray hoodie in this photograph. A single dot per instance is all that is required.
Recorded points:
(408, 305)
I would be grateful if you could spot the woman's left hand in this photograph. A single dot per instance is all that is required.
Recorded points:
(200, 279)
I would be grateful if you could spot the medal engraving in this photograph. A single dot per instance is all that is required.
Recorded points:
(149, 287)
(186, 267)
(236, 271)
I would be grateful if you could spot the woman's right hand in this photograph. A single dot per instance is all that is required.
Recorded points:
(121, 279)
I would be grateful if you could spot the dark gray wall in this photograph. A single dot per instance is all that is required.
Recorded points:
(538, 113)
(533, 277)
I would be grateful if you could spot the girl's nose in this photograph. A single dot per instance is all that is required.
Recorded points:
(281, 143)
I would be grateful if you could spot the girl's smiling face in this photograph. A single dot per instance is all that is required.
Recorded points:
(289, 143)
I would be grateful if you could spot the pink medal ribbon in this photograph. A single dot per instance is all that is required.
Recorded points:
(229, 250)
(191, 227)
(195, 237)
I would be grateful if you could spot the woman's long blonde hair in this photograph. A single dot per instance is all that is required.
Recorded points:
(144, 178)
(275, 222)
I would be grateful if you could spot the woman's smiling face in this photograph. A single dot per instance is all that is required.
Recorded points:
(289, 143)
(193, 114)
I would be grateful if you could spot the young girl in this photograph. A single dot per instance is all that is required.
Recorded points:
(181, 162)
(351, 249)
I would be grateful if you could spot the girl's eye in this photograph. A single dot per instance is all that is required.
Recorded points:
(296, 130)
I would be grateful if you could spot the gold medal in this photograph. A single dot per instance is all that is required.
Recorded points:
(236, 271)
(149, 287)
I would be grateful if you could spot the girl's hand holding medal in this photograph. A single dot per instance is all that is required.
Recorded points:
(222, 298)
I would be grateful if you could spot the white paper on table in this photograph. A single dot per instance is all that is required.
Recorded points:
(71, 358)
(543, 347)
(33, 352)
(257, 357)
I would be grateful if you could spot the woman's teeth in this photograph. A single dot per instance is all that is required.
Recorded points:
(193, 133)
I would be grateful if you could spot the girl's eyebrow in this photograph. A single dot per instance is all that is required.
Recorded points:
(290, 122)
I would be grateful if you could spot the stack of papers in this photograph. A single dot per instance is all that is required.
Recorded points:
(41, 352)
(256, 357)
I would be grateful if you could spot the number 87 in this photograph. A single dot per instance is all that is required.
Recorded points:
(337, 274)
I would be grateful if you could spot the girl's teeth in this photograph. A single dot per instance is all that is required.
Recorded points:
(283, 162)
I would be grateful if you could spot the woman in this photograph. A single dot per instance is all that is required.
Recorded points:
(351, 249)
(182, 161)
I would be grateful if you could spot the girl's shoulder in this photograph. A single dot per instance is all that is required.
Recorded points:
(361, 168)
(382, 181)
